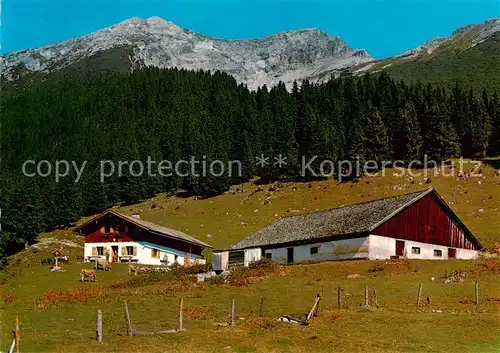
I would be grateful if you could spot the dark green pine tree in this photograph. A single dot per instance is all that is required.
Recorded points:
(374, 137)
(494, 112)
(481, 128)
(413, 140)
(441, 140)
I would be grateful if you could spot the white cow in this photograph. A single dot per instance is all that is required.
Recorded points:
(102, 263)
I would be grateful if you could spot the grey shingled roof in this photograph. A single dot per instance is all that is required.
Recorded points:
(152, 227)
(174, 233)
(351, 219)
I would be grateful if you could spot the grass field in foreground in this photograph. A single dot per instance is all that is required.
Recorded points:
(58, 313)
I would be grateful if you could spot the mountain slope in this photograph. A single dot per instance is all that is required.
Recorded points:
(470, 56)
(288, 56)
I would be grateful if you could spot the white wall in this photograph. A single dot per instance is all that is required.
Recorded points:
(252, 255)
(143, 253)
(220, 261)
(343, 249)
(382, 248)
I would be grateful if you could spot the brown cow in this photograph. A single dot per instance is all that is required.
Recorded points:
(88, 274)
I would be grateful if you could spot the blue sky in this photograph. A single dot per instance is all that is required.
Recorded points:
(383, 27)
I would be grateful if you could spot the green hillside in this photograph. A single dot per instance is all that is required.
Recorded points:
(477, 67)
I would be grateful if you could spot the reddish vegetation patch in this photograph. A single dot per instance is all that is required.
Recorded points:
(8, 299)
(196, 313)
(78, 294)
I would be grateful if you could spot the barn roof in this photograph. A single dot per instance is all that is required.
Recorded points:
(152, 227)
(344, 220)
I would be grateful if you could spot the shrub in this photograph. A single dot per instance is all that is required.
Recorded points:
(241, 276)
(8, 299)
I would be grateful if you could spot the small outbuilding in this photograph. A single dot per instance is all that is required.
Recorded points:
(418, 225)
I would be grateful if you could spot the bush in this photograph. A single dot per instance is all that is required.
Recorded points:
(8, 299)
(242, 276)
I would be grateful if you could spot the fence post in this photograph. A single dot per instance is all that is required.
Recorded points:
(376, 297)
(12, 346)
(98, 329)
(314, 309)
(18, 334)
(339, 297)
(181, 309)
(366, 296)
(477, 292)
(261, 311)
(419, 293)
(128, 323)
(232, 314)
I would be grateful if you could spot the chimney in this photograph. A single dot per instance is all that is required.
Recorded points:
(136, 215)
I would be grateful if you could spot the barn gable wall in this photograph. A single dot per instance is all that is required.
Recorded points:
(426, 221)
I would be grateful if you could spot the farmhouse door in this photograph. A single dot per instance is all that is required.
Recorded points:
(452, 253)
(289, 258)
(400, 248)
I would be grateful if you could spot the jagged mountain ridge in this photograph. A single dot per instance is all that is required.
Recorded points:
(287, 56)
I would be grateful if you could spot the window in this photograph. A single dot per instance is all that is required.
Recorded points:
(415, 250)
(130, 250)
(438, 253)
(100, 250)
(269, 255)
(313, 250)
(155, 253)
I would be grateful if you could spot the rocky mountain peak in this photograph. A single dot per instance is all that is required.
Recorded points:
(287, 56)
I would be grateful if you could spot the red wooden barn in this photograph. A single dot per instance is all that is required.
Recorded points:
(419, 225)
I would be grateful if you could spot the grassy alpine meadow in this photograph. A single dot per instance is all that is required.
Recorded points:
(58, 313)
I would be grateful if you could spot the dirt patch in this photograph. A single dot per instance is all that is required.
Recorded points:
(491, 266)
(393, 267)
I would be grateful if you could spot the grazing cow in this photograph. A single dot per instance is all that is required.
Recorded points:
(132, 268)
(102, 263)
(88, 274)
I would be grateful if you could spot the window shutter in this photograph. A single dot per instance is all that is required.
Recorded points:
(134, 252)
(153, 252)
(94, 251)
(124, 250)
